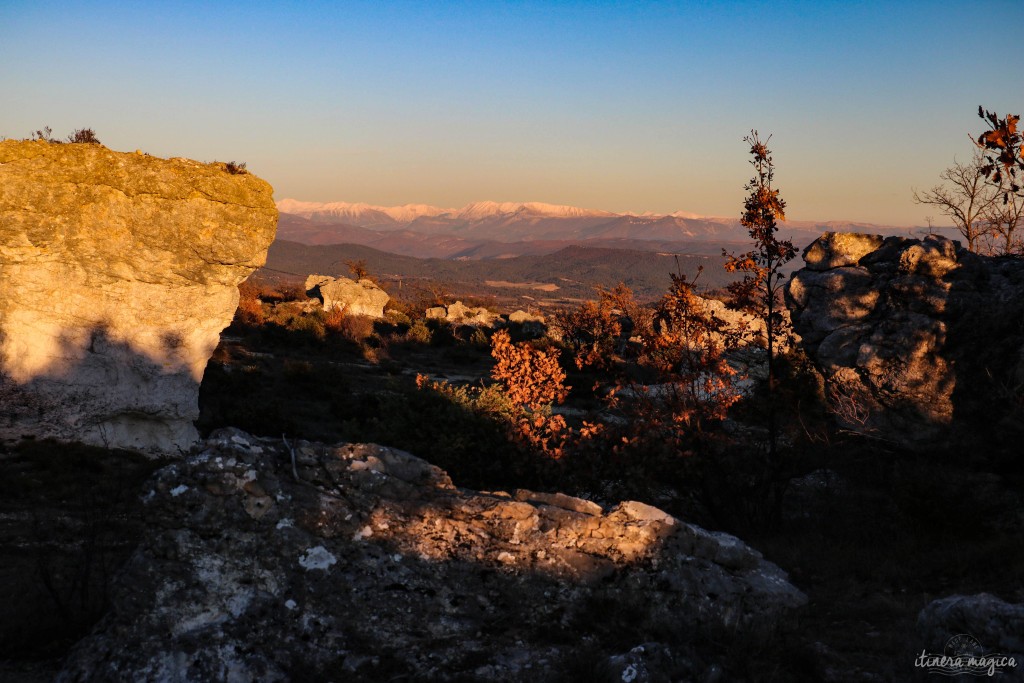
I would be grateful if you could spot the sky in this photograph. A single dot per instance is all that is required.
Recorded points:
(621, 106)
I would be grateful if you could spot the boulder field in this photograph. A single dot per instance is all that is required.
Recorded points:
(117, 274)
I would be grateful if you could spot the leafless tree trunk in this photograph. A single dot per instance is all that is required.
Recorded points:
(965, 198)
(1004, 218)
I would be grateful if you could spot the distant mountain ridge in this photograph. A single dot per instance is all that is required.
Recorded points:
(506, 229)
(361, 213)
(574, 271)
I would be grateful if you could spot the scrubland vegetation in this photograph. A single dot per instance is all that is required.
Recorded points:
(706, 411)
(665, 403)
(671, 402)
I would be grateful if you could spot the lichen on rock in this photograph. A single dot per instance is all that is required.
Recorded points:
(372, 565)
(117, 274)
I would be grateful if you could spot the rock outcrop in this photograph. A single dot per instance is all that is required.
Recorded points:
(117, 274)
(913, 336)
(979, 625)
(460, 314)
(529, 325)
(358, 562)
(354, 298)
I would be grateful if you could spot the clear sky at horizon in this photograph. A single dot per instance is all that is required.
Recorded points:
(622, 106)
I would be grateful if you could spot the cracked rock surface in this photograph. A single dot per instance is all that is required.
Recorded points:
(915, 338)
(372, 565)
(117, 274)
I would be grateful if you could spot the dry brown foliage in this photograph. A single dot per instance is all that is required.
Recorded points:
(759, 292)
(598, 332)
(334, 320)
(533, 380)
(688, 351)
(1003, 145)
(531, 377)
(528, 382)
(250, 308)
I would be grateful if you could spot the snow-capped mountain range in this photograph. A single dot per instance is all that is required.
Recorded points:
(488, 227)
(361, 213)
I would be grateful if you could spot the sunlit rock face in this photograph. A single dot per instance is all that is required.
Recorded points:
(117, 274)
(353, 297)
(916, 338)
(360, 562)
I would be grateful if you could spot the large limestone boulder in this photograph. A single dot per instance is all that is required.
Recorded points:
(274, 562)
(117, 274)
(915, 338)
(355, 298)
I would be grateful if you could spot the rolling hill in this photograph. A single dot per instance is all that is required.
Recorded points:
(571, 273)
(488, 230)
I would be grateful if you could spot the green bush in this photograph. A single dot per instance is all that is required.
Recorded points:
(420, 333)
(311, 325)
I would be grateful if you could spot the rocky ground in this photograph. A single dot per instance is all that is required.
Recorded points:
(870, 535)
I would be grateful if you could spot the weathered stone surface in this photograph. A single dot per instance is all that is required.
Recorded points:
(117, 274)
(373, 566)
(838, 249)
(914, 336)
(355, 298)
(520, 316)
(992, 625)
(528, 325)
(460, 314)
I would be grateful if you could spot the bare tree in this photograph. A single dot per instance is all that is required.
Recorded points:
(1004, 219)
(1002, 150)
(965, 198)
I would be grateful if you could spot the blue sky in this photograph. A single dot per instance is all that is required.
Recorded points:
(612, 105)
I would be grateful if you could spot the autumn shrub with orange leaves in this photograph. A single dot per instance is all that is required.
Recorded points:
(661, 369)
(687, 353)
(532, 377)
(529, 381)
(250, 307)
(598, 332)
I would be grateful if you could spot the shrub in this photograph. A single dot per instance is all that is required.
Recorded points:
(250, 308)
(235, 169)
(688, 354)
(81, 135)
(531, 377)
(334, 320)
(420, 332)
(46, 135)
(599, 332)
(357, 328)
(311, 325)
(478, 338)
(398, 318)
(84, 135)
(529, 380)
